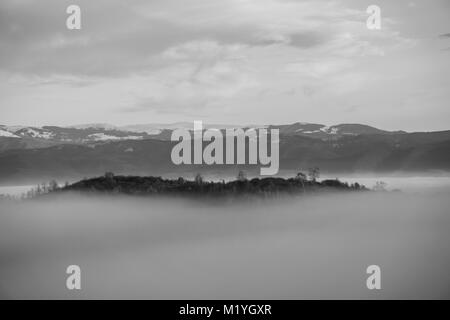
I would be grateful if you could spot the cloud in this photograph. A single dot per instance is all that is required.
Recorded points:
(193, 77)
(119, 39)
(255, 60)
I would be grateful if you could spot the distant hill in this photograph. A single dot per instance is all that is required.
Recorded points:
(85, 134)
(324, 132)
(28, 160)
(265, 187)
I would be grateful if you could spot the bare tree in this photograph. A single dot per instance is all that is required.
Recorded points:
(380, 186)
(53, 185)
(313, 173)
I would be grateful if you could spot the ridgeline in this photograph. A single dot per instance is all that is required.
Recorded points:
(241, 187)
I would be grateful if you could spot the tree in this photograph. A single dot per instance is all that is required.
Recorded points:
(52, 186)
(180, 180)
(241, 176)
(380, 186)
(302, 178)
(109, 175)
(198, 178)
(356, 186)
(313, 174)
(44, 188)
(38, 189)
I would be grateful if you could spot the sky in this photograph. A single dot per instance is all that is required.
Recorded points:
(226, 61)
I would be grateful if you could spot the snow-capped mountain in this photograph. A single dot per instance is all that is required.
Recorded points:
(71, 134)
(105, 126)
(32, 132)
(38, 137)
(7, 134)
(30, 154)
(321, 131)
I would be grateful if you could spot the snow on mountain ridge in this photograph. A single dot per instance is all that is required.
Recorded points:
(104, 132)
(35, 133)
(105, 137)
(7, 134)
(105, 126)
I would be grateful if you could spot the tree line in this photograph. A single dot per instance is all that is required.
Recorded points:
(241, 186)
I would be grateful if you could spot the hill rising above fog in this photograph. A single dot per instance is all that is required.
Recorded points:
(271, 186)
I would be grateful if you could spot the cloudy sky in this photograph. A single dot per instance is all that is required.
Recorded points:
(226, 61)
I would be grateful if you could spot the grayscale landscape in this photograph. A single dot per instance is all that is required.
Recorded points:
(355, 105)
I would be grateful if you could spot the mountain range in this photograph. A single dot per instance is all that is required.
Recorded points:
(37, 137)
(34, 154)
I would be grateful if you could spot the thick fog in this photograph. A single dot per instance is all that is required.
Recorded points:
(306, 247)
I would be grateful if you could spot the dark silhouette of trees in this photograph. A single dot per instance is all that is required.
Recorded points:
(42, 189)
(301, 177)
(109, 175)
(198, 179)
(268, 186)
(241, 176)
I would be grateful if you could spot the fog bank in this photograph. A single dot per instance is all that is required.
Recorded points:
(292, 248)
